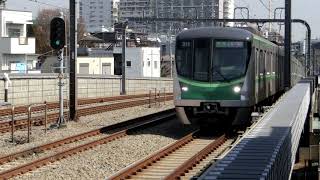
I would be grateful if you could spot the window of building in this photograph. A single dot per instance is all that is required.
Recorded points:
(155, 64)
(84, 68)
(106, 68)
(128, 63)
(14, 32)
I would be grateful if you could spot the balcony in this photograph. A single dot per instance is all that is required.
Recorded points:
(17, 45)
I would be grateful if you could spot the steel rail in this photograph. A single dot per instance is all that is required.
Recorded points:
(55, 105)
(150, 120)
(23, 123)
(194, 160)
(14, 156)
(138, 167)
(133, 169)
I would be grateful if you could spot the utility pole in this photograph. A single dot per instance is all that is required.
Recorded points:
(270, 14)
(170, 53)
(287, 43)
(124, 44)
(73, 62)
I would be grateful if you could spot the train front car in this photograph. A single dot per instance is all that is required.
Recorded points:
(214, 75)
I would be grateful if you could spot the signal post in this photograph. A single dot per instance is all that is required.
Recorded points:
(57, 42)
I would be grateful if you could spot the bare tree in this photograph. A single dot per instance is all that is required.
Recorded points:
(165, 66)
(41, 29)
(81, 29)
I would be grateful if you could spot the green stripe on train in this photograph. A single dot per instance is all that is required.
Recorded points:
(210, 91)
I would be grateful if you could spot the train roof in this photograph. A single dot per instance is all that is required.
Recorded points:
(216, 32)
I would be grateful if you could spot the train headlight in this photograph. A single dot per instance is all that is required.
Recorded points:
(237, 89)
(184, 88)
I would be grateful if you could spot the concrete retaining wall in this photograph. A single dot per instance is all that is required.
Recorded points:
(27, 89)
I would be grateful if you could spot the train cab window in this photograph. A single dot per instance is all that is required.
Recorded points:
(201, 59)
(230, 59)
(184, 58)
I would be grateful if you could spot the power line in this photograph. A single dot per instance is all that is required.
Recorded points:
(237, 6)
(47, 4)
(264, 5)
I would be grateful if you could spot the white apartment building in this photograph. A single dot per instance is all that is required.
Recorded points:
(17, 51)
(115, 10)
(142, 61)
(95, 65)
(98, 15)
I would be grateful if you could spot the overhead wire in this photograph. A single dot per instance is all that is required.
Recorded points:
(47, 4)
(264, 5)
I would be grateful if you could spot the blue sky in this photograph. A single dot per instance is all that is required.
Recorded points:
(302, 9)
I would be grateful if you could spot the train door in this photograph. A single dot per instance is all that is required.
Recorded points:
(262, 76)
(267, 74)
(256, 77)
(282, 72)
(271, 74)
(274, 72)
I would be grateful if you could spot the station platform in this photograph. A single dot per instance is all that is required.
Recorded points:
(269, 150)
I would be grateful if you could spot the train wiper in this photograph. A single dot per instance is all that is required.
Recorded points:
(220, 74)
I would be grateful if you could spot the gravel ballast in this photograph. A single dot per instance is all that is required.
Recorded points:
(84, 124)
(105, 160)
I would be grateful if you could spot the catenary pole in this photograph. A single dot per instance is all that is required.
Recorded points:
(287, 44)
(73, 61)
(124, 44)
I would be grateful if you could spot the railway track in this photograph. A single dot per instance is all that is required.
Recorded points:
(21, 162)
(180, 160)
(82, 102)
(52, 117)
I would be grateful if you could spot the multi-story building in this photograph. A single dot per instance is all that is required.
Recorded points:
(17, 50)
(115, 11)
(98, 15)
(172, 9)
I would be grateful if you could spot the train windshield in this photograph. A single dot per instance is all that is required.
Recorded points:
(209, 61)
(229, 60)
(184, 58)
